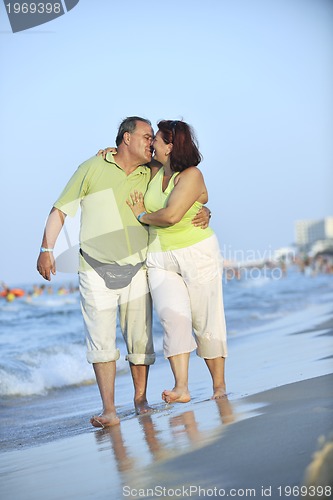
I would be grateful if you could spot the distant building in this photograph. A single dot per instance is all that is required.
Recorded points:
(308, 232)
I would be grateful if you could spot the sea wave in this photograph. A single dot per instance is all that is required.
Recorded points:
(42, 371)
(42, 342)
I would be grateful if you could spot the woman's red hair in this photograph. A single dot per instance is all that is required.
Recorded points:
(185, 152)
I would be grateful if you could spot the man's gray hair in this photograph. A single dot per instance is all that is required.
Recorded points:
(129, 125)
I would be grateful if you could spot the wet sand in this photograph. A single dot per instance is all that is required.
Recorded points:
(263, 443)
(264, 455)
(257, 442)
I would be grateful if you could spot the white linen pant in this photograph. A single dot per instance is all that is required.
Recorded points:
(186, 287)
(100, 307)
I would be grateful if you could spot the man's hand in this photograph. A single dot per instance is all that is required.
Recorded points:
(202, 218)
(104, 152)
(46, 265)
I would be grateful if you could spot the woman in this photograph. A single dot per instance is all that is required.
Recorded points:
(184, 261)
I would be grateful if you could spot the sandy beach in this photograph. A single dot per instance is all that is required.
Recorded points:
(260, 446)
(260, 441)
(262, 456)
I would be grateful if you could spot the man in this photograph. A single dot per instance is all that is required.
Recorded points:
(112, 272)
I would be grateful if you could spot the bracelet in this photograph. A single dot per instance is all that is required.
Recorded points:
(141, 215)
(43, 249)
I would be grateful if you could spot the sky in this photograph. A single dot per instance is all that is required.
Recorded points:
(253, 77)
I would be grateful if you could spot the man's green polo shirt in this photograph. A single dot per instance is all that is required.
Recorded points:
(109, 232)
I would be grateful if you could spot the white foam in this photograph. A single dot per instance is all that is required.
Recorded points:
(39, 372)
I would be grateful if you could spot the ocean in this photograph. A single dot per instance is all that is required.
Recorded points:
(44, 375)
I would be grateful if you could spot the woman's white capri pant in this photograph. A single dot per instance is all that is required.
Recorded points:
(186, 287)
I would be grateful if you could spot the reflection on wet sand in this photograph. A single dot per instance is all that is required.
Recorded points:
(182, 434)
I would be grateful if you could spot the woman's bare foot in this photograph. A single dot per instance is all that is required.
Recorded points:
(219, 392)
(176, 396)
(105, 420)
(142, 407)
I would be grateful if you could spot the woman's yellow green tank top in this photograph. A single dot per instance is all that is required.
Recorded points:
(180, 235)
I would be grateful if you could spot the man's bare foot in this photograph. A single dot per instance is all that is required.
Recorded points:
(219, 392)
(142, 407)
(176, 396)
(105, 420)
